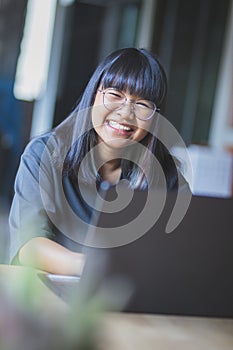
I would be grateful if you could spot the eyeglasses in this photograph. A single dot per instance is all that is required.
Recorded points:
(114, 100)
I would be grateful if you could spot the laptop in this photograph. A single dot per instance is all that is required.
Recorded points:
(188, 271)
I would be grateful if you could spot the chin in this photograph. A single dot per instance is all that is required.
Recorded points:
(118, 143)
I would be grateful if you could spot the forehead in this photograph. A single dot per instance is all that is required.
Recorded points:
(136, 81)
(125, 93)
(129, 87)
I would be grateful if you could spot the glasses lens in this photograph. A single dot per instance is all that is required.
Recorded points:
(113, 99)
(144, 109)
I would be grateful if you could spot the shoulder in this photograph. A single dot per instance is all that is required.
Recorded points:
(37, 156)
(37, 145)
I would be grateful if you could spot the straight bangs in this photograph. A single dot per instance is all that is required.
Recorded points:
(138, 75)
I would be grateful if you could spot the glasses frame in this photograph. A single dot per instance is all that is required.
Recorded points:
(132, 102)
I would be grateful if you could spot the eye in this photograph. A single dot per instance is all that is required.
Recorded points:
(144, 104)
(114, 95)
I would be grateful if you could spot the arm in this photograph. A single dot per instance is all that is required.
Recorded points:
(44, 254)
(32, 240)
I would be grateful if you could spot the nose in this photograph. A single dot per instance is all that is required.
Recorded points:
(127, 110)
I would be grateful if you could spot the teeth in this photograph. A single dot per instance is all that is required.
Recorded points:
(118, 126)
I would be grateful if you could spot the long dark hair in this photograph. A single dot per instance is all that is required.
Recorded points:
(140, 73)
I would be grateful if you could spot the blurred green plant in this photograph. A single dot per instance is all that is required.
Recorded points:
(32, 318)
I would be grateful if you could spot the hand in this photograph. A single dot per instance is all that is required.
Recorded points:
(44, 254)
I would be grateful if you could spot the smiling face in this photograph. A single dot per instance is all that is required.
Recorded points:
(118, 128)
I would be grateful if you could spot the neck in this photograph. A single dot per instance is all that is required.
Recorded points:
(106, 154)
(110, 159)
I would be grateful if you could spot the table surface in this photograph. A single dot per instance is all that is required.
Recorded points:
(133, 331)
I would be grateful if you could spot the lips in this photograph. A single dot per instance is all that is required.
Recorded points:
(124, 128)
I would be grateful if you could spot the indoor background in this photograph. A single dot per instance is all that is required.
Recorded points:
(49, 49)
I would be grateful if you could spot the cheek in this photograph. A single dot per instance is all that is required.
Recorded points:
(98, 115)
(143, 130)
(96, 108)
(141, 134)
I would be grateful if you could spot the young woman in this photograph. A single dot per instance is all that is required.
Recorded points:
(98, 142)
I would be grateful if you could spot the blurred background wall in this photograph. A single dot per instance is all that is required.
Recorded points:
(193, 40)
